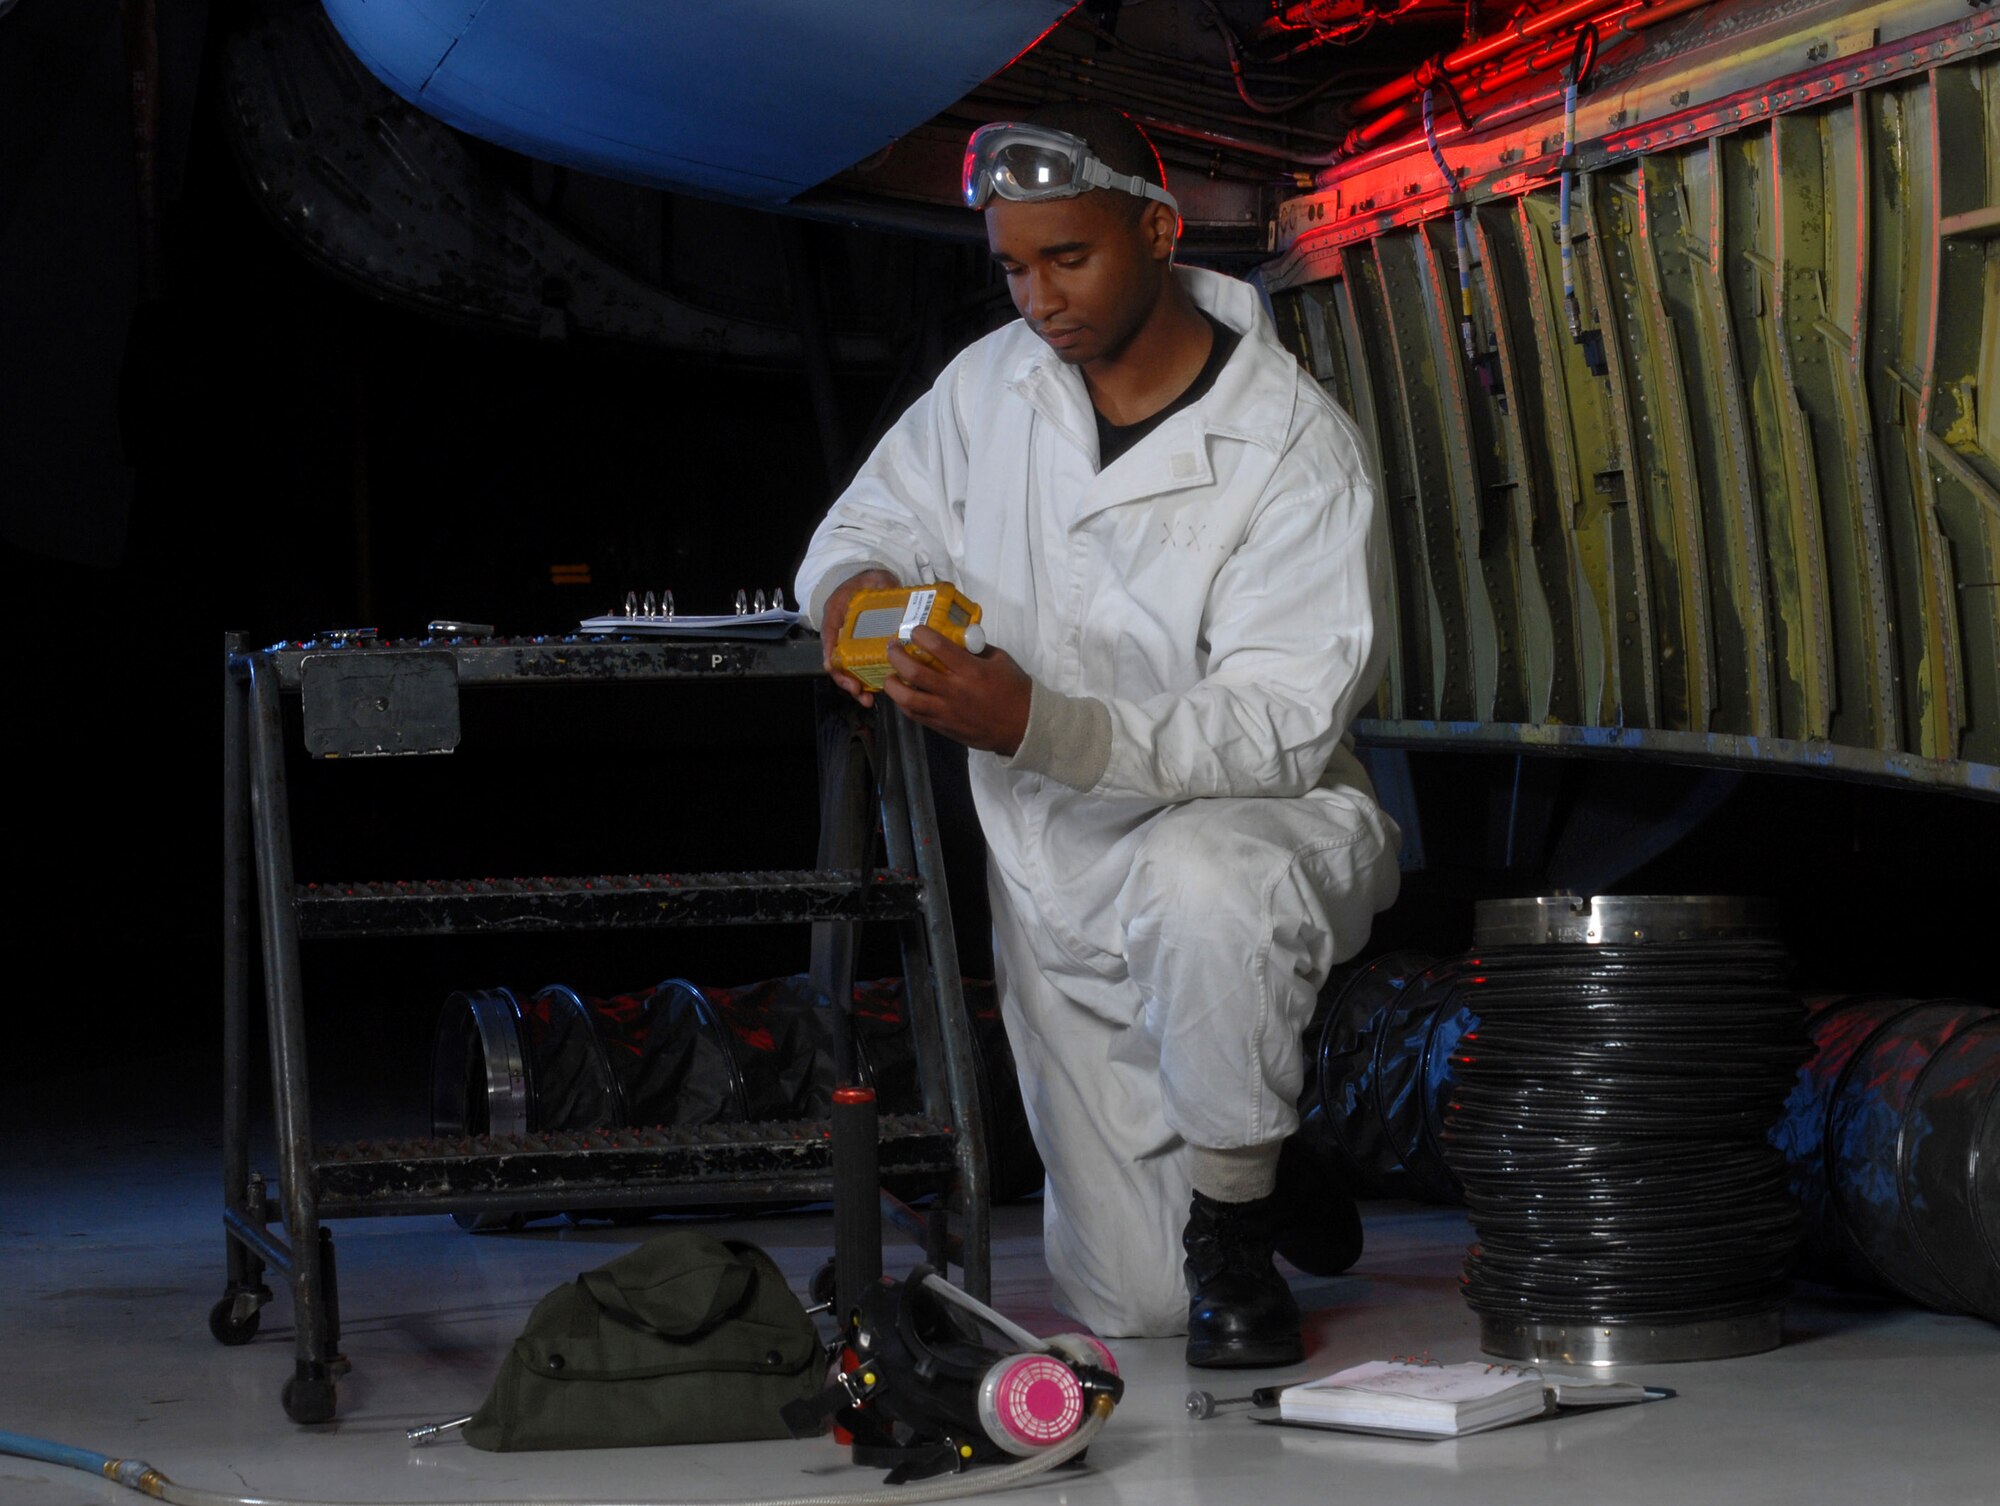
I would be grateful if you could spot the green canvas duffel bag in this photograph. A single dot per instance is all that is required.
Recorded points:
(686, 1339)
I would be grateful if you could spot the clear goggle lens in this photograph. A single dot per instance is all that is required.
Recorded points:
(1031, 172)
(1026, 163)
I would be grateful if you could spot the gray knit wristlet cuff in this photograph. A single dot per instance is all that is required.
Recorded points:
(1241, 1175)
(1068, 738)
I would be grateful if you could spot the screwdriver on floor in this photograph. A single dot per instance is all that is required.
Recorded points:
(1202, 1404)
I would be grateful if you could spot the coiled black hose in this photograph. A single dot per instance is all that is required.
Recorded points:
(1608, 1121)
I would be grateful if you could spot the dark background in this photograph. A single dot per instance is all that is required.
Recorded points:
(274, 452)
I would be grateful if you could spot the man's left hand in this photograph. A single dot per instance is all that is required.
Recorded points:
(980, 699)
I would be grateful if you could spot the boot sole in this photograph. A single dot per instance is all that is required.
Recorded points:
(1271, 1354)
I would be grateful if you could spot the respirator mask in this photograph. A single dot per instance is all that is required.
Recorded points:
(932, 1380)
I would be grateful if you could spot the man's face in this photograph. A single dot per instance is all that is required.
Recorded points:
(1084, 276)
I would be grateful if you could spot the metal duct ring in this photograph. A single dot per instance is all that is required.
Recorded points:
(481, 1082)
(711, 1025)
(560, 998)
(490, 1020)
(1610, 920)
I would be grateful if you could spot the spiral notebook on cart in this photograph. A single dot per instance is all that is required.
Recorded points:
(1424, 1399)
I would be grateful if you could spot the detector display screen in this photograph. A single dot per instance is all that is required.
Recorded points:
(878, 622)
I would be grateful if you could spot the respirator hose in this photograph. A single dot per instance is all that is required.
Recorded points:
(142, 1477)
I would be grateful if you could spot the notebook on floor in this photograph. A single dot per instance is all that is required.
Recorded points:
(1425, 1399)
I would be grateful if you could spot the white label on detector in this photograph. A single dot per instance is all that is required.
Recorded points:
(916, 613)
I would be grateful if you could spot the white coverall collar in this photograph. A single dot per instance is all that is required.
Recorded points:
(1252, 400)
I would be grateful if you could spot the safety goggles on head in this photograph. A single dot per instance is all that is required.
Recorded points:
(1026, 163)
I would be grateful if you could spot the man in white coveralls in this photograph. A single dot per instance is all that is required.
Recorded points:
(1181, 562)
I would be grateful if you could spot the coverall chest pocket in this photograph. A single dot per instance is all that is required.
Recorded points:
(1158, 563)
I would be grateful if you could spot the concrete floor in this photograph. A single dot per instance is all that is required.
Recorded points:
(111, 1255)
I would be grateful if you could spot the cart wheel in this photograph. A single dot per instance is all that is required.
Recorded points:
(308, 1398)
(230, 1329)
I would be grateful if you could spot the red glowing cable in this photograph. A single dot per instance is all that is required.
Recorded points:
(1508, 39)
(1616, 21)
(1622, 20)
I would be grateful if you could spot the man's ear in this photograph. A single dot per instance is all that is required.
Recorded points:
(1162, 228)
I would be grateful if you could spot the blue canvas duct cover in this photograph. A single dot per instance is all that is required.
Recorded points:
(752, 100)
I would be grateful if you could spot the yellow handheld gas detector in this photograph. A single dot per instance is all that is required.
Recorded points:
(876, 619)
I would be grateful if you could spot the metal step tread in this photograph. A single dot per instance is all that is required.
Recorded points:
(565, 1164)
(603, 901)
(569, 656)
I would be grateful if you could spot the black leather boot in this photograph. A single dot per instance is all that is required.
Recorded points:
(1319, 1226)
(1241, 1315)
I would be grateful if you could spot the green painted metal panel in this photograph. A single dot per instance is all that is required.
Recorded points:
(1963, 479)
(1540, 421)
(1895, 281)
(1448, 539)
(1766, 525)
(1419, 651)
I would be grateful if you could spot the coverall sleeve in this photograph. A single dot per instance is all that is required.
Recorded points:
(1295, 648)
(900, 512)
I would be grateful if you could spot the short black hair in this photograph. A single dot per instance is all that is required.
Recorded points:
(1114, 138)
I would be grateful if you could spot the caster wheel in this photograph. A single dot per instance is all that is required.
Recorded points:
(228, 1328)
(308, 1399)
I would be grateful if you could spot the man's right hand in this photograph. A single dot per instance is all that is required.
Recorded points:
(836, 615)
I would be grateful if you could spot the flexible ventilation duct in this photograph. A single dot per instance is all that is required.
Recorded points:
(1379, 1073)
(1892, 1136)
(681, 1055)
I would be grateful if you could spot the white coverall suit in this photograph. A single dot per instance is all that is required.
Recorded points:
(1182, 847)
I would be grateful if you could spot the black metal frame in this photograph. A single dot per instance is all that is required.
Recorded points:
(267, 912)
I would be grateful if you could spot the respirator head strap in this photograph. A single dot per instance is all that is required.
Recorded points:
(806, 1417)
(921, 1461)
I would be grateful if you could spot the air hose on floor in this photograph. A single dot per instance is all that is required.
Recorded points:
(142, 1477)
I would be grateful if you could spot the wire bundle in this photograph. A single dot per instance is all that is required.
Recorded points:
(1609, 1125)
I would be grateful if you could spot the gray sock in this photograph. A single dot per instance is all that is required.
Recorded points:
(1239, 1175)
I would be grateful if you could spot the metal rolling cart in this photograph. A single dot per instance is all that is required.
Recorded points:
(368, 696)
